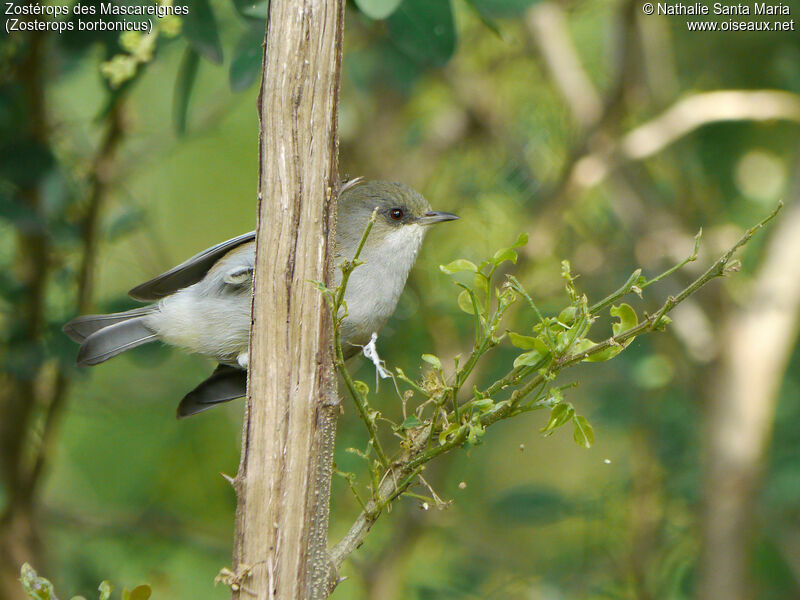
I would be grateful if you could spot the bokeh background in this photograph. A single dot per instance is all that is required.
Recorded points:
(609, 136)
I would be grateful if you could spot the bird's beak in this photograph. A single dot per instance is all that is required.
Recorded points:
(436, 216)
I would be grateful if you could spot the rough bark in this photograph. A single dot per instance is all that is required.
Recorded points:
(283, 483)
(755, 347)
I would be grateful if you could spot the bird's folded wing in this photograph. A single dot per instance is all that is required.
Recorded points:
(187, 273)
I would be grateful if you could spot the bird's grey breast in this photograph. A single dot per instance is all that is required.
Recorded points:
(375, 286)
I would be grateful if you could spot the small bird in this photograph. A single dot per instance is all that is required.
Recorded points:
(203, 305)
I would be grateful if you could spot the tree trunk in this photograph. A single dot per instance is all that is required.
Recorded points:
(283, 483)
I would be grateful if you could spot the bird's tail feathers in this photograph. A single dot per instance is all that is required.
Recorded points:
(81, 328)
(113, 339)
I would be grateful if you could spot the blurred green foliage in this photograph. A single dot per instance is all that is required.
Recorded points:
(40, 588)
(474, 120)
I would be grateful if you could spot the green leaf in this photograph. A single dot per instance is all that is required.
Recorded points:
(482, 405)
(246, 63)
(252, 9)
(560, 414)
(411, 422)
(525, 342)
(432, 360)
(140, 592)
(476, 430)
(555, 396)
(465, 302)
(424, 30)
(521, 240)
(627, 318)
(36, 587)
(457, 266)
(603, 355)
(583, 433)
(447, 432)
(582, 346)
(187, 73)
(530, 359)
(200, 28)
(105, 590)
(503, 255)
(481, 282)
(563, 340)
(377, 9)
(567, 316)
(489, 23)
(499, 9)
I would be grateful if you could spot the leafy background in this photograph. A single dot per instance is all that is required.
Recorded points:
(461, 100)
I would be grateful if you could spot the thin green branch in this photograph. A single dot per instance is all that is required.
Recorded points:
(347, 267)
(691, 258)
(406, 379)
(360, 402)
(717, 269)
(482, 346)
(517, 287)
(349, 477)
(420, 447)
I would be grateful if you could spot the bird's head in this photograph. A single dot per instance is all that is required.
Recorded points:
(403, 216)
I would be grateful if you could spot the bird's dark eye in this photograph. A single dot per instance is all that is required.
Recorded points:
(396, 214)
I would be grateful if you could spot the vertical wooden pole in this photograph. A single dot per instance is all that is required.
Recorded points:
(283, 483)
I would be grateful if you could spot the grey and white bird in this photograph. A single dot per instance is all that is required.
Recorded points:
(203, 305)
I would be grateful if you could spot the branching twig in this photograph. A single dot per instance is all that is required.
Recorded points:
(529, 378)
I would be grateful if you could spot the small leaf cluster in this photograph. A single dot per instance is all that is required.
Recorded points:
(40, 588)
(139, 48)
